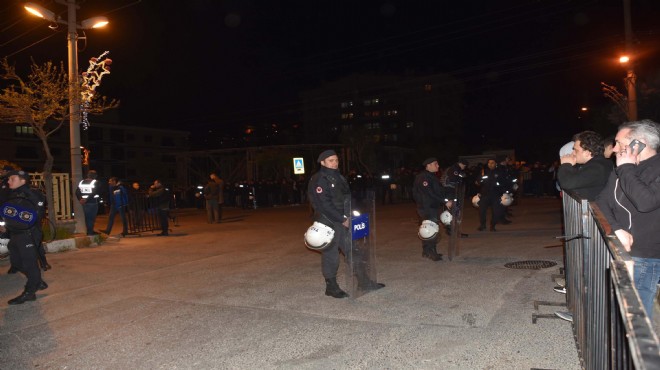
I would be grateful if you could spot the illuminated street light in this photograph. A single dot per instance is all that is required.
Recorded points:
(630, 81)
(74, 85)
(584, 109)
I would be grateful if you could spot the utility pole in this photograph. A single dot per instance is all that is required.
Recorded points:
(631, 78)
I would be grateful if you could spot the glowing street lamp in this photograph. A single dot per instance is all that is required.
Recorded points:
(74, 94)
(630, 80)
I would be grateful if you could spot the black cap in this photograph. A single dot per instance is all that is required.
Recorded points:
(22, 174)
(325, 154)
(428, 161)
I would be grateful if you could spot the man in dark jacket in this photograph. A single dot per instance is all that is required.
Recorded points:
(490, 195)
(159, 197)
(330, 197)
(22, 213)
(631, 203)
(118, 203)
(429, 196)
(585, 171)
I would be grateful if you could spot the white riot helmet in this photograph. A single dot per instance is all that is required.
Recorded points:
(475, 200)
(318, 236)
(445, 218)
(507, 199)
(428, 230)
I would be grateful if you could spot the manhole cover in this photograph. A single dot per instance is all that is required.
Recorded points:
(530, 265)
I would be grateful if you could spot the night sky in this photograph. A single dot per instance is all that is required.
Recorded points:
(199, 65)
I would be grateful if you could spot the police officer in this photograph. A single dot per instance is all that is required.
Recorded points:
(430, 195)
(88, 195)
(329, 195)
(492, 187)
(22, 213)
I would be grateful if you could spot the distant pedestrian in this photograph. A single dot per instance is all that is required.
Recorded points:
(211, 193)
(118, 203)
(159, 196)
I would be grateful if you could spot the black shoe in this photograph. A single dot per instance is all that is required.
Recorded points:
(12, 270)
(24, 297)
(505, 222)
(481, 228)
(434, 256)
(163, 234)
(492, 228)
(332, 289)
(464, 235)
(123, 235)
(42, 285)
(46, 266)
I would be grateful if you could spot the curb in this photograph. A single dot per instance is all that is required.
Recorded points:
(74, 243)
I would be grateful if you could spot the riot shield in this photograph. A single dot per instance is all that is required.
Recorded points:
(456, 220)
(361, 261)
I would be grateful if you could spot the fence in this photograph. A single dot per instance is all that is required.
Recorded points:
(142, 215)
(611, 329)
(62, 205)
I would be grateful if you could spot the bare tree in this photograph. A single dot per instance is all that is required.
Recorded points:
(42, 102)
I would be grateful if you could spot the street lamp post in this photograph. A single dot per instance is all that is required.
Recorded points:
(631, 78)
(74, 88)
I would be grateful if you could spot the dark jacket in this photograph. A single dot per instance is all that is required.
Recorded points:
(429, 194)
(631, 202)
(329, 195)
(588, 179)
(160, 197)
(118, 196)
(24, 209)
(493, 183)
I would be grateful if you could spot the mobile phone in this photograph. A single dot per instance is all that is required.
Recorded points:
(640, 145)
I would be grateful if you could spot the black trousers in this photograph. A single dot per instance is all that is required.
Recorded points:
(497, 210)
(429, 246)
(24, 251)
(330, 255)
(163, 217)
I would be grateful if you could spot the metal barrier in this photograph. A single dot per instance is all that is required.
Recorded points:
(455, 232)
(611, 329)
(142, 216)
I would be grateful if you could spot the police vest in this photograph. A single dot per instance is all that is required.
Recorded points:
(88, 188)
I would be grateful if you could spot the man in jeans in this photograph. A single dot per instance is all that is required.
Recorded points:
(118, 203)
(631, 203)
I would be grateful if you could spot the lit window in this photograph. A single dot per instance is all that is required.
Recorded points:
(427, 87)
(24, 130)
(350, 116)
(367, 102)
(375, 101)
(375, 113)
(410, 124)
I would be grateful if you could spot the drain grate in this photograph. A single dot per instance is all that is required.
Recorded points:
(530, 265)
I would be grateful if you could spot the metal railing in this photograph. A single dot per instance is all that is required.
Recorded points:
(611, 328)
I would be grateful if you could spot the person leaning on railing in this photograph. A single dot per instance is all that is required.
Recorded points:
(631, 203)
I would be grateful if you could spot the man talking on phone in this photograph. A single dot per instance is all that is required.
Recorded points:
(631, 203)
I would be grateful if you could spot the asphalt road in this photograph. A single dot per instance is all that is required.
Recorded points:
(247, 294)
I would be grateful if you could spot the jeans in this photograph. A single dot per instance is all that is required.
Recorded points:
(111, 219)
(90, 210)
(646, 275)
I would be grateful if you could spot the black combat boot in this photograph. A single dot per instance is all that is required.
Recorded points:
(24, 297)
(332, 289)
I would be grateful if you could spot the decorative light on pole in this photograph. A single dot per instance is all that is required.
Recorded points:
(74, 92)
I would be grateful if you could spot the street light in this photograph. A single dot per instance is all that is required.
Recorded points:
(74, 85)
(630, 80)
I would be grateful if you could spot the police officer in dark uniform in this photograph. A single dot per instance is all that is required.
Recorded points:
(493, 185)
(329, 195)
(430, 195)
(88, 195)
(22, 213)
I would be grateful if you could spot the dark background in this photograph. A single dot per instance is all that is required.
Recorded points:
(206, 65)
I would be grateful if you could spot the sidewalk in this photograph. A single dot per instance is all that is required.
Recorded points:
(247, 294)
